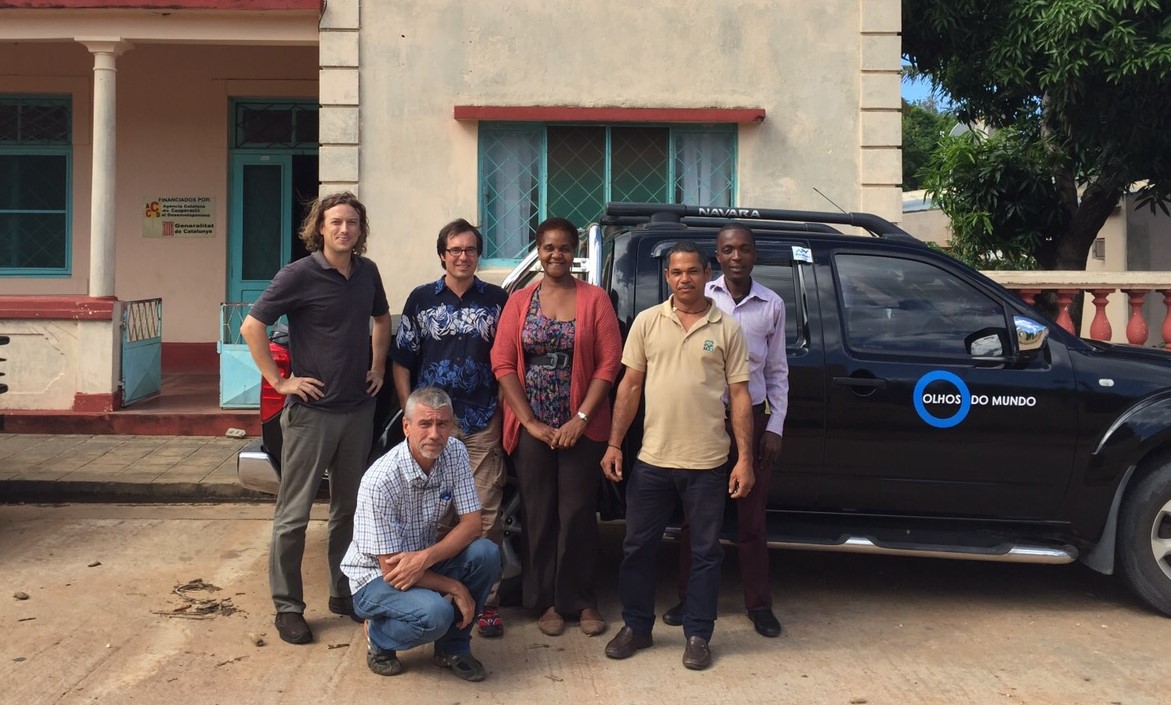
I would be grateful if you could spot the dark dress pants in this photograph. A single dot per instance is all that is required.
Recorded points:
(650, 498)
(559, 499)
(751, 531)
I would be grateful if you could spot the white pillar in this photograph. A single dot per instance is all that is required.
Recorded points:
(102, 204)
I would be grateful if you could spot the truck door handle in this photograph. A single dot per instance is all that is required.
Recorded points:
(866, 382)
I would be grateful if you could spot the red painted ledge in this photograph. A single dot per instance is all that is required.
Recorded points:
(77, 308)
(568, 113)
(250, 5)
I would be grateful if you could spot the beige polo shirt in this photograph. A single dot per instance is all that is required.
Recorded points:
(686, 375)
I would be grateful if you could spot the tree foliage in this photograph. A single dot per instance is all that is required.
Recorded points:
(924, 126)
(1084, 82)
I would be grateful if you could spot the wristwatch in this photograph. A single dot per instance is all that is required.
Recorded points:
(582, 415)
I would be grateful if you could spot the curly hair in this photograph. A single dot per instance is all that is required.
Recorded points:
(311, 229)
(556, 225)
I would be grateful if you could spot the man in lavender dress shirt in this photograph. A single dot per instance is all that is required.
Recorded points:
(761, 314)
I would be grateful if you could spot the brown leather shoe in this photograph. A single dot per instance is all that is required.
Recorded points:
(697, 655)
(626, 642)
(591, 622)
(551, 623)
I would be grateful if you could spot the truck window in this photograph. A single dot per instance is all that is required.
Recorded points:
(891, 304)
(782, 278)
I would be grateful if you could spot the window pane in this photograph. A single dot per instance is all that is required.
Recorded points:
(704, 166)
(907, 306)
(307, 126)
(264, 127)
(782, 279)
(9, 122)
(262, 221)
(638, 164)
(44, 123)
(510, 185)
(577, 173)
(33, 182)
(32, 240)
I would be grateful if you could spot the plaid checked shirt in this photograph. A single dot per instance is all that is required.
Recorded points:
(399, 506)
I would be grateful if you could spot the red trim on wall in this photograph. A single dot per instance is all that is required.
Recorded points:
(97, 402)
(190, 357)
(251, 5)
(79, 308)
(568, 113)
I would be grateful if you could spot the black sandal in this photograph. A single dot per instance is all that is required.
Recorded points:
(464, 666)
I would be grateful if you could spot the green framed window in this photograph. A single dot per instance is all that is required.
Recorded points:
(274, 124)
(531, 171)
(36, 167)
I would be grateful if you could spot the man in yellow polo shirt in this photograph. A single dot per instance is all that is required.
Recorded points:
(682, 354)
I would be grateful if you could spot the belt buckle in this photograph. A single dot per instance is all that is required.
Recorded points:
(560, 359)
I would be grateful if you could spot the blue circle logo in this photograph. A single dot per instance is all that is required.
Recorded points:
(965, 399)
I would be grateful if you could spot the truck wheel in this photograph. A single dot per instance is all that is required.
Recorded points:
(510, 582)
(1144, 538)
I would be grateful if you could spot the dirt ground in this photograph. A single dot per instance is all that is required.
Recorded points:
(102, 622)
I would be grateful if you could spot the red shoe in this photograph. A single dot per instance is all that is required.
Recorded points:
(489, 623)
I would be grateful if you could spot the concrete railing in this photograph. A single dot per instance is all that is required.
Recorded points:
(1127, 318)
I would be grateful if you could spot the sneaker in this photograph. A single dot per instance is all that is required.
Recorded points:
(384, 663)
(489, 623)
(293, 628)
(462, 665)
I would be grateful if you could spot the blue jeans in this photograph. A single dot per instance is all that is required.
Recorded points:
(403, 619)
(650, 499)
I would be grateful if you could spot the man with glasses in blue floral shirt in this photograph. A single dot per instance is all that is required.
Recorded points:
(445, 340)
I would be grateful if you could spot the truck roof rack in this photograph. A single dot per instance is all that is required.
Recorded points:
(757, 218)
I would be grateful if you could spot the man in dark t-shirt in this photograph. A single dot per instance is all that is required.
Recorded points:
(339, 364)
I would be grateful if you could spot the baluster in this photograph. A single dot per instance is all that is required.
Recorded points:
(1064, 299)
(1029, 295)
(1166, 317)
(1136, 327)
(1100, 327)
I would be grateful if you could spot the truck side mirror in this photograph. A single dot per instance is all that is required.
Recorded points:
(1030, 335)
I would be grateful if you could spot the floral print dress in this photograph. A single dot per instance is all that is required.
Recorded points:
(547, 388)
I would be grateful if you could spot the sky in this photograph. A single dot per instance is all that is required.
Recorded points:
(915, 90)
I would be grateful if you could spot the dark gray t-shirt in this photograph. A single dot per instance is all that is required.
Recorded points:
(329, 325)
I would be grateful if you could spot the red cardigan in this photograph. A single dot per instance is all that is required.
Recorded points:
(597, 354)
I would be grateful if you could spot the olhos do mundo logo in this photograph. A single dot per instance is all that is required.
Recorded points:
(943, 400)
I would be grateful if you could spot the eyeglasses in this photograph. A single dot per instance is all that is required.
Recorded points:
(455, 252)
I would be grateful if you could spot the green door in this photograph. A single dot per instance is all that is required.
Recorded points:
(259, 241)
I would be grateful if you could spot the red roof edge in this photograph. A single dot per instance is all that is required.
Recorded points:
(568, 113)
(220, 5)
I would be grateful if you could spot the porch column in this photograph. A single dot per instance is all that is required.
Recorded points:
(102, 204)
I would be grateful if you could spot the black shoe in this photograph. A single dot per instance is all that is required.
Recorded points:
(674, 616)
(697, 655)
(345, 607)
(293, 628)
(626, 642)
(765, 622)
(463, 665)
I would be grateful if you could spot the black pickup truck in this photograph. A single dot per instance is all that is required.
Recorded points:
(931, 411)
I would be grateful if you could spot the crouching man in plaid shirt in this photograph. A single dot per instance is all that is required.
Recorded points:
(410, 588)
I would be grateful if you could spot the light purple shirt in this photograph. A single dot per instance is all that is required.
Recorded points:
(762, 316)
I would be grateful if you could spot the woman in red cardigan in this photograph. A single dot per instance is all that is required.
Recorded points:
(557, 353)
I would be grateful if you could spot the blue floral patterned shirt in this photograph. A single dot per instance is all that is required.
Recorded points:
(445, 341)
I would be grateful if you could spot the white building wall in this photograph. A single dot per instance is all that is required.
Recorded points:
(803, 62)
